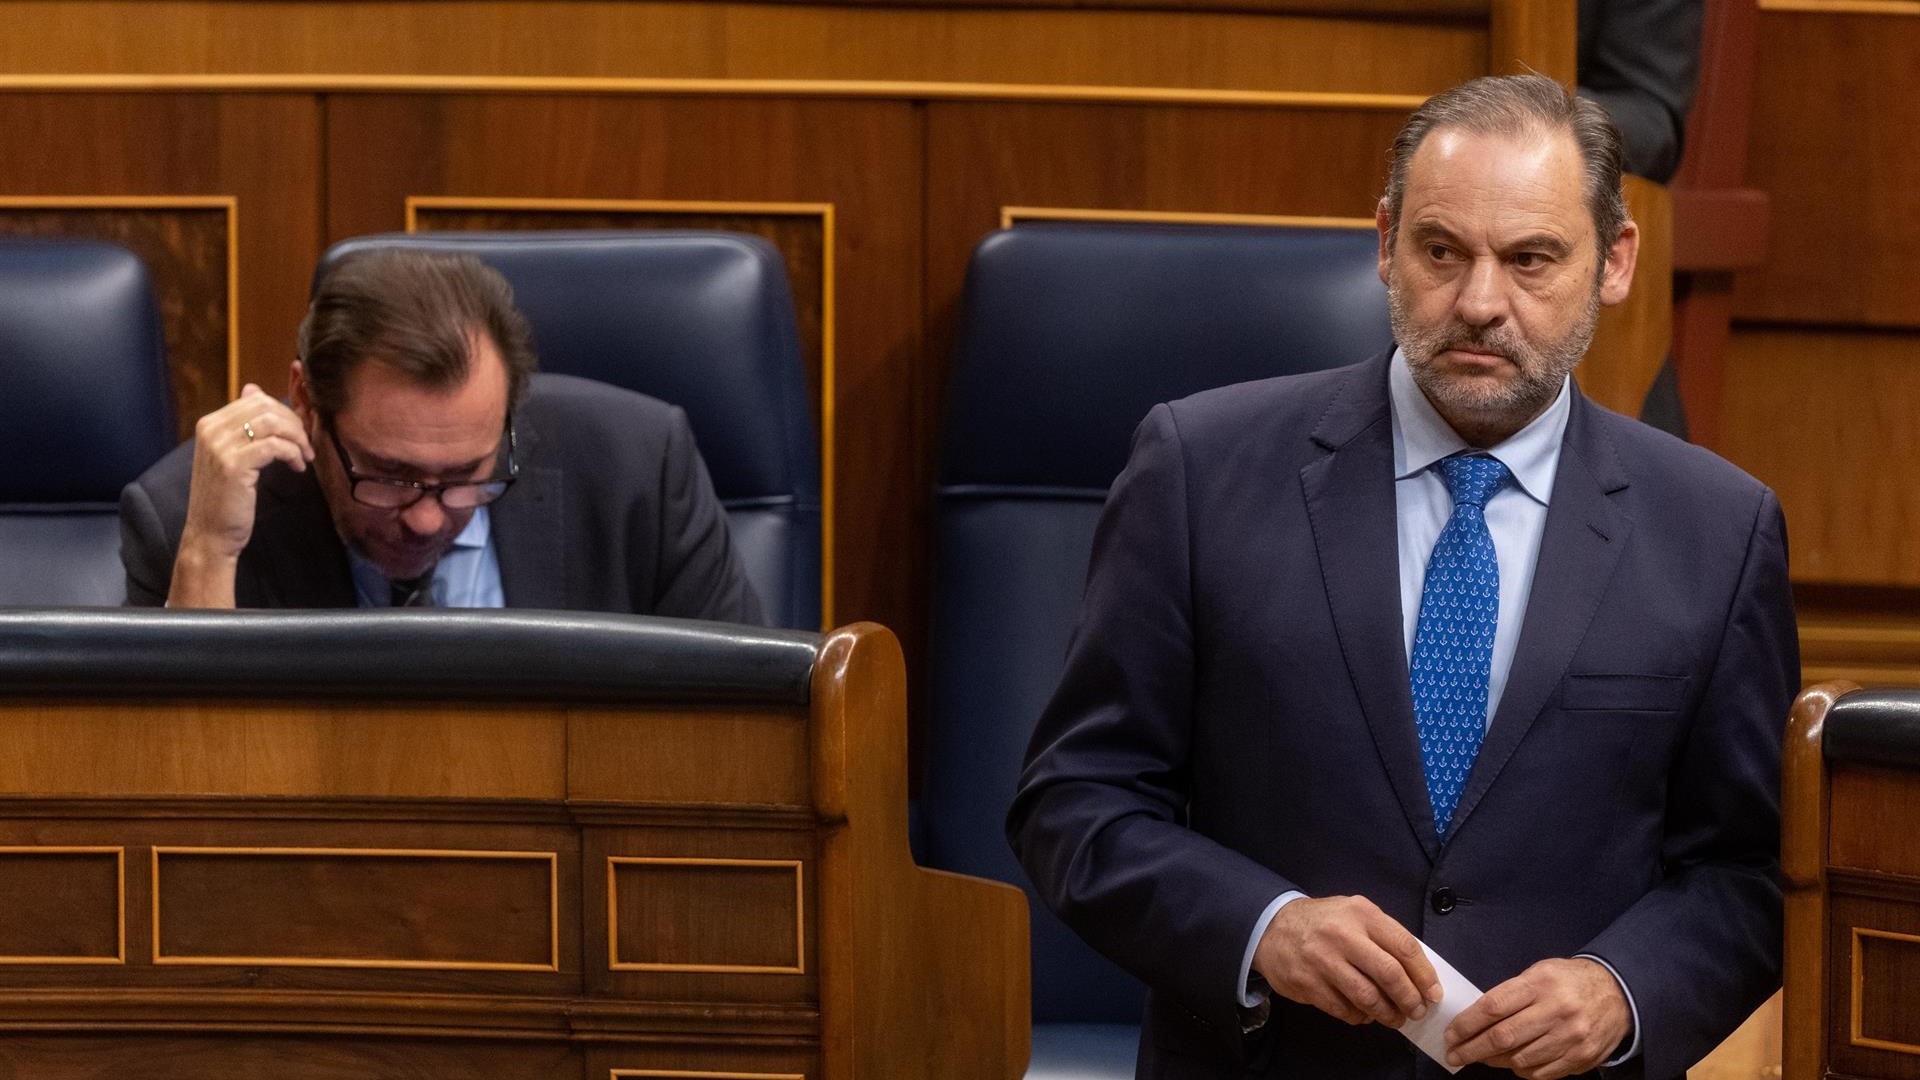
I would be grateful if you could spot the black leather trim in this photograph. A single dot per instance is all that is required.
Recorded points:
(416, 654)
(1875, 727)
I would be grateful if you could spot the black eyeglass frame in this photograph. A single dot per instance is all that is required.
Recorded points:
(420, 488)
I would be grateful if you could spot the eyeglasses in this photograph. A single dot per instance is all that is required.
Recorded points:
(400, 494)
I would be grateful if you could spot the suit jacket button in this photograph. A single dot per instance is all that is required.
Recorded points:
(1443, 901)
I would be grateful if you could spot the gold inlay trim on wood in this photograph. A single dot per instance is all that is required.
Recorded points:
(552, 859)
(682, 1074)
(798, 967)
(819, 88)
(1014, 215)
(824, 211)
(1844, 7)
(228, 203)
(1858, 979)
(120, 902)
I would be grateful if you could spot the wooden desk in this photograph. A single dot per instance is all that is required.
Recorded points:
(1851, 856)
(477, 845)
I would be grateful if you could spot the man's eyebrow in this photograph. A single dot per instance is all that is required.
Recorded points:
(1546, 242)
(1423, 231)
(375, 464)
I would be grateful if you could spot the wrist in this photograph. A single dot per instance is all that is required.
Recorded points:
(202, 577)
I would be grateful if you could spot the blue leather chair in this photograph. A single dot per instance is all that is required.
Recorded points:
(85, 407)
(700, 319)
(1068, 335)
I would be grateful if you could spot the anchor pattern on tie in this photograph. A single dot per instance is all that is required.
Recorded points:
(1453, 637)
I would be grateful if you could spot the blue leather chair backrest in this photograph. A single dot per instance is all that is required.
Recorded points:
(85, 407)
(1068, 335)
(703, 320)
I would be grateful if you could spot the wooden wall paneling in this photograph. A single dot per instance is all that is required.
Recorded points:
(1827, 420)
(862, 158)
(1835, 109)
(1631, 341)
(162, 167)
(169, 1056)
(953, 48)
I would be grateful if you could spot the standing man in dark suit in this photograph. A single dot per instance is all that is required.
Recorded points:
(421, 461)
(1432, 649)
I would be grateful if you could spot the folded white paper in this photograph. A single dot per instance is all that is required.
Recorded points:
(1430, 1032)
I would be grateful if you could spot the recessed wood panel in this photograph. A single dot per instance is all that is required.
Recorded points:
(1886, 996)
(436, 910)
(1827, 419)
(260, 152)
(62, 905)
(1836, 105)
(1873, 1017)
(706, 915)
(190, 250)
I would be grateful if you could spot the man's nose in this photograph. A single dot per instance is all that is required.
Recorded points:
(1483, 295)
(425, 517)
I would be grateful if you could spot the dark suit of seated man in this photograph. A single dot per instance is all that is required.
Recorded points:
(1432, 646)
(421, 461)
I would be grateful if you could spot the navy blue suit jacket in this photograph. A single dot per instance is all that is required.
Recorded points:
(1235, 721)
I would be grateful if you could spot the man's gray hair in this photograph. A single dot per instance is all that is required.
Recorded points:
(1519, 105)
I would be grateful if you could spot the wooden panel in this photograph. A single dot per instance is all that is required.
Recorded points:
(862, 158)
(1873, 1023)
(434, 910)
(1886, 990)
(971, 44)
(62, 905)
(174, 1056)
(718, 758)
(259, 150)
(1823, 418)
(189, 248)
(1630, 342)
(706, 914)
(245, 748)
(1835, 109)
(1861, 803)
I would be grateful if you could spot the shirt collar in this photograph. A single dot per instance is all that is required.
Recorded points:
(369, 580)
(1421, 436)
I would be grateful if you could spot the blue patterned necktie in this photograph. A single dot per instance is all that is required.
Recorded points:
(1453, 639)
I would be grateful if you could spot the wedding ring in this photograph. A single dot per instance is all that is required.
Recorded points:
(247, 426)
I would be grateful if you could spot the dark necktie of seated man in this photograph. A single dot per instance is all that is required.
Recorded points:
(412, 592)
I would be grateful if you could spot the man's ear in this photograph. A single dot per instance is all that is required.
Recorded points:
(1382, 223)
(299, 395)
(1616, 278)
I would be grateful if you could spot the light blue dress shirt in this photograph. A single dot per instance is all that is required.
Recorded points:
(468, 575)
(1516, 516)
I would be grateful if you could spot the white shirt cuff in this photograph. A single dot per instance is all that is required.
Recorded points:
(1633, 1045)
(1246, 997)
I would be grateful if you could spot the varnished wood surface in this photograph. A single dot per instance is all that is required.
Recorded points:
(1632, 339)
(1803, 859)
(1331, 50)
(299, 872)
(1836, 105)
(1827, 418)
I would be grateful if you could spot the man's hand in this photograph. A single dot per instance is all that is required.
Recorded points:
(1557, 1018)
(1345, 957)
(232, 444)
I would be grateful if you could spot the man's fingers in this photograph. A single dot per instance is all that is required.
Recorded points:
(1400, 968)
(1500, 1042)
(279, 424)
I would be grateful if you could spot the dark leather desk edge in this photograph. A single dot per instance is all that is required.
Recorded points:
(442, 655)
(1875, 727)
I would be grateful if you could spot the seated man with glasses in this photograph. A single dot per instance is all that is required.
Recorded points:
(455, 476)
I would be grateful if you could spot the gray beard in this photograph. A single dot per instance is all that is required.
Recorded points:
(1543, 368)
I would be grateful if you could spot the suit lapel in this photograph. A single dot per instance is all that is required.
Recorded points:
(295, 558)
(1350, 505)
(529, 531)
(1584, 536)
